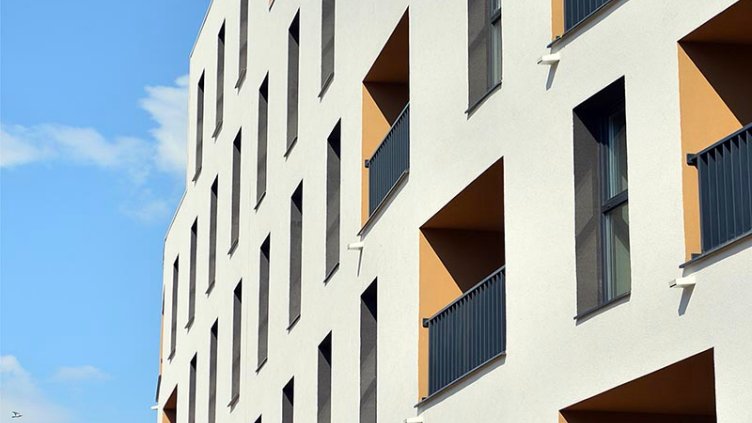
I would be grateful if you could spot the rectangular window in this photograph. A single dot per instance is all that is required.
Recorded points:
(333, 169)
(199, 126)
(293, 61)
(237, 316)
(213, 234)
(263, 321)
(602, 212)
(325, 380)
(263, 121)
(219, 114)
(296, 251)
(213, 373)
(484, 48)
(174, 316)
(235, 211)
(327, 42)
(192, 391)
(288, 401)
(368, 343)
(243, 52)
(192, 274)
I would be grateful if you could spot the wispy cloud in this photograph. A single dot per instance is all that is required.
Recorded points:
(79, 374)
(19, 392)
(139, 157)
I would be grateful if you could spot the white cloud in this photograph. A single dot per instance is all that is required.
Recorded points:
(19, 392)
(166, 105)
(162, 150)
(79, 374)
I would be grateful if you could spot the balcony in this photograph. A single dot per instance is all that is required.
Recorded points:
(390, 162)
(460, 245)
(467, 333)
(725, 189)
(385, 141)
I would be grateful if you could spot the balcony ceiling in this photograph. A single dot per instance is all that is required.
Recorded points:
(733, 26)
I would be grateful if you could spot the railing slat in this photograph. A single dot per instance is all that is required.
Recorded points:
(725, 189)
(390, 160)
(577, 10)
(466, 333)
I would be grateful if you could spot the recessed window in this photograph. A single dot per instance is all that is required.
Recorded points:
(263, 108)
(235, 206)
(213, 233)
(243, 43)
(368, 342)
(293, 71)
(263, 298)
(324, 414)
(174, 314)
(296, 252)
(333, 171)
(602, 210)
(220, 105)
(199, 126)
(237, 333)
(288, 402)
(192, 273)
(327, 42)
(192, 391)
(213, 373)
(484, 48)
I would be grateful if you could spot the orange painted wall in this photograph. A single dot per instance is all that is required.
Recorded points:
(715, 91)
(557, 18)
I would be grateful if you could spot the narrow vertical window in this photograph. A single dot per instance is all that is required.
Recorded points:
(192, 274)
(235, 202)
(243, 49)
(293, 61)
(288, 401)
(601, 198)
(213, 373)
(174, 315)
(296, 251)
(484, 48)
(263, 106)
(327, 42)
(325, 380)
(263, 321)
(333, 168)
(237, 316)
(199, 127)
(219, 114)
(368, 343)
(192, 391)
(213, 234)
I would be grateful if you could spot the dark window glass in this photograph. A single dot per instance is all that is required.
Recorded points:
(199, 126)
(325, 381)
(174, 316)
(288, 401)
(235, 210)
(484, 48)
(296, 251)
(263, 105)
(263, 322)
(192, 273)
(219, 114)
(333, 170)
(327, 41)
(213, 373)
(293, 59)
(243, 52)
(602, 211)
(192, 392)
(368, 343)
(213, 233)
(237, 315)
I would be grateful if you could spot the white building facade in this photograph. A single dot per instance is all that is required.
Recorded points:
(472, 210)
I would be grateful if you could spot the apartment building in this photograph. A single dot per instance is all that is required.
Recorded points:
(469, 210)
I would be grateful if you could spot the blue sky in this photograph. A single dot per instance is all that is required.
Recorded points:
(92, 144)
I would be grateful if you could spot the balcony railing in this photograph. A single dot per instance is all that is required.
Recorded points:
(467, 333)
(390, 161)
(577, 10)
(725, 186)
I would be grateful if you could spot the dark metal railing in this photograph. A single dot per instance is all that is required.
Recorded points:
(390, 160)
(467, 333)
(725, 185)
(575, 11)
